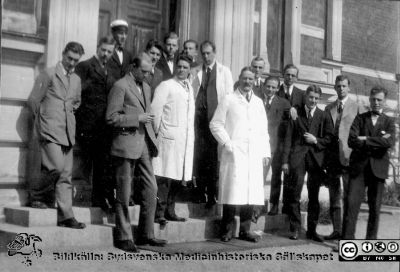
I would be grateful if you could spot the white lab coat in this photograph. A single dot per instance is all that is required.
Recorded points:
(173, 107)
(241, 128)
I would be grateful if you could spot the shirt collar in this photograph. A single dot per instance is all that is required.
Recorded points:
(244, 94)
(344, 100)
(211, 66)
(311, 110)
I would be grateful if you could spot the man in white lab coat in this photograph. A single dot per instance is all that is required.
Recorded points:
(240, 126)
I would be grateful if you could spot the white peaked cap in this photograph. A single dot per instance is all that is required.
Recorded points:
(118, 22)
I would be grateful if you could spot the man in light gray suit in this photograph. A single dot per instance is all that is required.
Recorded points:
(133, 145)
(342, 112)
(53, 101)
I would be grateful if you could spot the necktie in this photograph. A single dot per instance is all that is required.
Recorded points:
(206, 78)
(268, 103)
(248, 96)
(340, 107)
(309, 114)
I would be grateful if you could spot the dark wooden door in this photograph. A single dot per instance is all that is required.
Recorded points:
(147, 19)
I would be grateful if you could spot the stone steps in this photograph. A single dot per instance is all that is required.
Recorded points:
(201, 225)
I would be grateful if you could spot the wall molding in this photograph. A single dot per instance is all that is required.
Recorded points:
(312, 31)
(23, 45)
(369, 72)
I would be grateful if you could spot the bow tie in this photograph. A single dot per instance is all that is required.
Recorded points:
(170, 58)
(375, 113)
(138, 82)
(119, 49)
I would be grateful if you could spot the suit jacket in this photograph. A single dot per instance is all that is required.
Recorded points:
(278, 117)
(350, 111)
(163, 66)
(125, 104)
(295, 148)
(154, 80)
(224, 81)
(118, 69)
(297, 98)
(375, 149)
(96, 84)
(53, 101)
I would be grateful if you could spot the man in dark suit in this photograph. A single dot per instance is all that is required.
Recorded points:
(306, 139)
(121, 58)
(296, 98)
(167, 62)
(133, 146)
(93, 135)
(289, 91)
(277, 109)
(53, 101)
(342, 113)
(154, 50)
(372, 134)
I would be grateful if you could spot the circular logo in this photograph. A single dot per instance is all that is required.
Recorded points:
(393, 247)
(380, 247)
(349, 250)
(367, 247)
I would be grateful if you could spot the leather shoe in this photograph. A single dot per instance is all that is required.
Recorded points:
(314, 236)
(175, 218)
(226, 238)
(151, 242)
(162, 221)
(211, 202)
(335, 235)
(273, 210)
(71, 223)
(126, 245)
(38, 205)
(247, 236)
(294, 235)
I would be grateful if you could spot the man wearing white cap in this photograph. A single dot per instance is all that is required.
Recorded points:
(121, 59)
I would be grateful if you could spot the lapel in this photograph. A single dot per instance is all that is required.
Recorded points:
(116, 59)
(135, 90)
(303, 118)
(368, 124)
(97, 68)
(62, 77)
(333, 111)
(379, 124)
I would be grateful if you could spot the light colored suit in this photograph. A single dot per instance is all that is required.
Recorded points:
(53, 100)
(339, 155)
(133, 146)
(350, 111)
(224, 80)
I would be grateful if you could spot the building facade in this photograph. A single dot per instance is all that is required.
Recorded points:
(323, 38)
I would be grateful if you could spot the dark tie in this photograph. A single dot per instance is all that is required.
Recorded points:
(119, 49)
(206, 77)
(340, 108)
(248, 96)
(268, 103)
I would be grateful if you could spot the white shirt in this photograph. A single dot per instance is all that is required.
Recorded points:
(374, 117)
(310, 110)
(288, 89)
(120, 55)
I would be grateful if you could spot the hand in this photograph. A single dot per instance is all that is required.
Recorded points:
(266, 161)
(146, 118)
(386, 136)
(362, 138)
(228, 146)
(293, 113)
(285, 168)
(309, 138)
